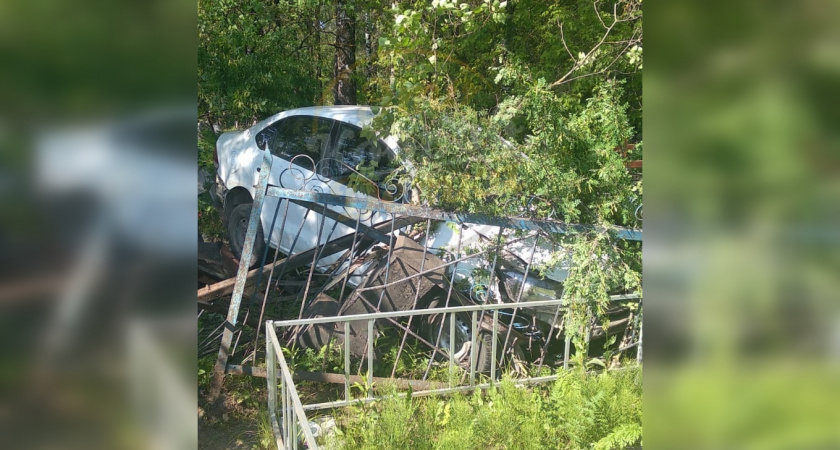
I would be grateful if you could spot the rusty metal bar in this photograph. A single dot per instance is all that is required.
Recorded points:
(270, 273)
(387, 265)
(446, 303)
(352, 252)
(416, 294)
(437, 214)
(521, 290)
(241, 275)
(312, 266)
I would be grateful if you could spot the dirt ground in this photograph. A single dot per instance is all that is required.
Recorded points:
(235, 424)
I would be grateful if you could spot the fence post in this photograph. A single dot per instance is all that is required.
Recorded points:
(347, 361)
(641, 330)
(473, 345)
(493, 346)
(370, 358)
(241, 277)
(451, 348)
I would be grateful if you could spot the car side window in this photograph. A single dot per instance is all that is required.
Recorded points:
(353, 153)
(303, 136)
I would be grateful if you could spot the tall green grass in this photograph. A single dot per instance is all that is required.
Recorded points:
(579, 410)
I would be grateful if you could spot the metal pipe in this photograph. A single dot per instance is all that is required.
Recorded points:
(430, 392)
(451, 348)
(296, 407)
(241, 275)
(270, 273)
(312, 266)
(387, 266)
(370, 357)
(521, 290)
(566, 350)
(493, 347)
(416, 296)
(550, 226)
(347, 361)
(473, 345)
(446, 303)
(418, 312)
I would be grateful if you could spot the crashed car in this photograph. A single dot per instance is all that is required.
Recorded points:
(323, 149)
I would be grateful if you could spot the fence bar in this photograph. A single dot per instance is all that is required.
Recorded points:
(437, 214)
(566, 351)
(241, 276)
(292, 408)
(270, 273)
(522, 289)
(639, 350)
(347, 360)
(270, 366)
(427, 393)
(370, 358)
(451, 348)
(446, 303)
(473, 345)
(420, 312)
(285, 411)
(387, 266)
(493, 346)
(416, 296)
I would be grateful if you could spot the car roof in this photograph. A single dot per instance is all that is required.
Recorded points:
(359, 116)
(352, 114)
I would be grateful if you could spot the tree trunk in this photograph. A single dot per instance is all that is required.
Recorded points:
(344, 90)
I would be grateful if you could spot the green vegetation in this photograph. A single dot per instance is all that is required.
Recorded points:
(521, 107)
(579, 410)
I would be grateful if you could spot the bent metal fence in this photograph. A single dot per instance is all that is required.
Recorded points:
(462, 285)
(290, 423)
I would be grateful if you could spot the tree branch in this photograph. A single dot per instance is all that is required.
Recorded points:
(579, 62)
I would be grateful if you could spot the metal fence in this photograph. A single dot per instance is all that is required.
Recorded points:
(291, 425)
(372, 265)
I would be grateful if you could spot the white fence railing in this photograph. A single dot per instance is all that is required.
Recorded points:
(290, 426)
(290, 423)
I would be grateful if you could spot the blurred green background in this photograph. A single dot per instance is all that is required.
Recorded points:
(741, 276)
(742, 326)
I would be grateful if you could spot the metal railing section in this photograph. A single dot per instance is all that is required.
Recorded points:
(335, 236)
(451, 386)
(289, 424)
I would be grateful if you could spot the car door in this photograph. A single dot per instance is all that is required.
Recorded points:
(297, 144)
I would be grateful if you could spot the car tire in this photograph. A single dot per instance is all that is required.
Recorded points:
(237, 227)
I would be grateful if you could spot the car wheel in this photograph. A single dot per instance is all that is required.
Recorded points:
(463, 342)
(238, 227)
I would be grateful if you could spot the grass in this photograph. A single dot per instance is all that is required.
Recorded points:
(579, 410)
